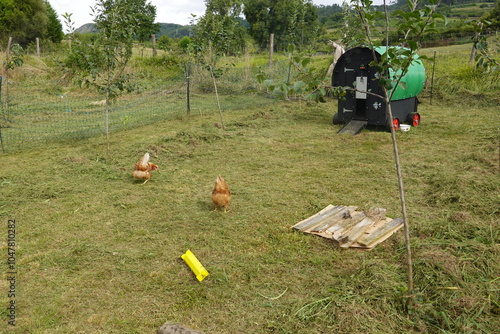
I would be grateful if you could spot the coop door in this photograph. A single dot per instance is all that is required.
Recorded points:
(361, 85)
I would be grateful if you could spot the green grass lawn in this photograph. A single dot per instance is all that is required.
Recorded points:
(98, 252)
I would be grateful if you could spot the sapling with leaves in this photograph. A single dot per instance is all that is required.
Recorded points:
(101, 61)
(390, 67)
(14, 58)
(210, 60)
(483, 53)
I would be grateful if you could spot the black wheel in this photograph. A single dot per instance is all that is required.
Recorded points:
(395, 124)
(413, 119)
(336, 119)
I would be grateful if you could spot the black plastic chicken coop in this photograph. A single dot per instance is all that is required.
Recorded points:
(358, 108)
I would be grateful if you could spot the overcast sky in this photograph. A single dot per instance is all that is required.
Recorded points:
(167, 11)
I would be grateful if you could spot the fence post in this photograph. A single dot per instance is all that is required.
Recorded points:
(153, 41)
(38, 47)
(271, 48)
(432, 77)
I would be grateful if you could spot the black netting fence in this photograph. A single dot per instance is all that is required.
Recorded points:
(34, 112)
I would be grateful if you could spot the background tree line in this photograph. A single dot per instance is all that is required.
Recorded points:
(230, 26)
(26, 20)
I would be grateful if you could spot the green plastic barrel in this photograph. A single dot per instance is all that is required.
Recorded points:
(413, 81)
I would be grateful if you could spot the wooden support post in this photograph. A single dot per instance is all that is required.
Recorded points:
(271, 48)
(153, 41)
(38, 47)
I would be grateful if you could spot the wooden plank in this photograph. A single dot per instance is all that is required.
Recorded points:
(336, 231)
(353, 127)
(317, 218)
(349, 227)
(343, 214)
(357, 231)
(381, 233)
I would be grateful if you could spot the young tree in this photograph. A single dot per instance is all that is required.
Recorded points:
(390, 68)
(101, 62)
(13, 58)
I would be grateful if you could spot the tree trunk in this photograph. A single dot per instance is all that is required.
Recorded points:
(473, 54)
(7, 60)
(409, 262)
(188, 92)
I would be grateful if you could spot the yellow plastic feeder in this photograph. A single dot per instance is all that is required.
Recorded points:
(195, 265)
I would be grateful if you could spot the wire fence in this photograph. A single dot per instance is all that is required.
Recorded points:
(46, 111)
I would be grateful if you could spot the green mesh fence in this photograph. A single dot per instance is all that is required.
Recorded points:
(41, 111)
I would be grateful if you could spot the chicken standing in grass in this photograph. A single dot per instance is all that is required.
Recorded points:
(143, 168)
(221, 196)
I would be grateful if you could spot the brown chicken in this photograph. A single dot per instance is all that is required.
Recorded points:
(221, 196)
(143, 168)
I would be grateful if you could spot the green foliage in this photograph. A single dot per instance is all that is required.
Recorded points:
(331, 16)
(164, 43)
(487, 57)
(55, 33)
(101, 60)
(173, 30)
(306, 82)
(15, 57)
(219, 29)
(145, 13)
(25, 21)
(168, 60)
(494, 17)
(101, 63)
(292, 22)
(185, 43)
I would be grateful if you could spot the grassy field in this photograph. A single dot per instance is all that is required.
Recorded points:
(98, 252)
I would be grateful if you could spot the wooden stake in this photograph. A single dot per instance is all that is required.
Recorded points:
(271, 48)
(153, 41)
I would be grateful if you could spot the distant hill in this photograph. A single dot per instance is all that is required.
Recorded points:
(86, 28)
(172, 30)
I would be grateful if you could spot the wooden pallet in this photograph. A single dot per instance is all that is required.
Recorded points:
(349, 227)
